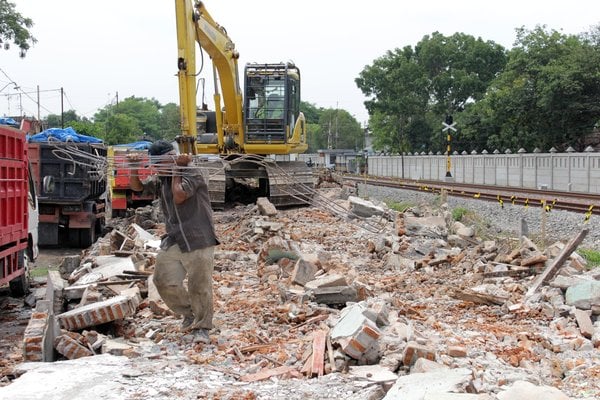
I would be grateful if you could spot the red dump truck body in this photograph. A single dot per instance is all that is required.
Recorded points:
(14, 215)
(122, 196)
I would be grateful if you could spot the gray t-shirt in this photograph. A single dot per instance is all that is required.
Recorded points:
(189, 224)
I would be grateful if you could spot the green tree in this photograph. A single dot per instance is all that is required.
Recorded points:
(86, 127)
(169, 122)
(145, 112)
(547, 96)
(15, 28)
(121, 128)
(56, 120)
(411, 91)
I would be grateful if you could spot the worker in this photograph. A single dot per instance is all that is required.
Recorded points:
(187, 249)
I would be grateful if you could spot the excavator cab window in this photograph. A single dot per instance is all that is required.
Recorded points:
(265, 109)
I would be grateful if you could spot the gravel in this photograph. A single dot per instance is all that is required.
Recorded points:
(545, 227)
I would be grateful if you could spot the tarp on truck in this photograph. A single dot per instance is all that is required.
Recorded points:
(8, 121)
(62, 135)
(141, 145)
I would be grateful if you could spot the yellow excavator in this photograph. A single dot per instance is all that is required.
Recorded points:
(247, 128)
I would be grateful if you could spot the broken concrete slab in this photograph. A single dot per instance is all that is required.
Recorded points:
(265, 207)
(364, 208)
(334, 295)
(70, 347)
(107, 266)
(355, 333)
(415, 386)
(304, 271)
(68, 265)
(425, 365)
(431, 227)
(54, 291)
(117, 307)
(373, 373)
(414, 351)
(584, 295)
(522, 390)
(585, 323)
(326, 281)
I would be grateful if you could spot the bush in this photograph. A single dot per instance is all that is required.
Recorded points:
(458, 213)
(591, 256)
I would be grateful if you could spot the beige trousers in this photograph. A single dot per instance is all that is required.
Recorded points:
(170, 270)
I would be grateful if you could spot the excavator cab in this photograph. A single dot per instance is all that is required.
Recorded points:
(271, 102)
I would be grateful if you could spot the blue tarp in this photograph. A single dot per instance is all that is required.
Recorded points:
(8, 121)
(63, 135)
(141, 145)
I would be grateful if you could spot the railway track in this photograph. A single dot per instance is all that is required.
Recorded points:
(549, 199)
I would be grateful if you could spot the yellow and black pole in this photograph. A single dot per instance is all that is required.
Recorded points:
(448, 126)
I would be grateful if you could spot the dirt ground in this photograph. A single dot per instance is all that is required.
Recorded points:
(15, 313)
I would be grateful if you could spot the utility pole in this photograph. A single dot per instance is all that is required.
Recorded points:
(117, 106)
(38, 102)
(62, 110)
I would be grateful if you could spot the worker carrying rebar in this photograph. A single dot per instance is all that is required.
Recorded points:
(187, 249)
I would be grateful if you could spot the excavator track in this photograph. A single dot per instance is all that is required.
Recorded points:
(291, 183)
(287, 183)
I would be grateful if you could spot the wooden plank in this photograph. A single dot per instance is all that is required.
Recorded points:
(330, 354)
(480, 298)
(267, 373)
(318, 348)
(557, 263)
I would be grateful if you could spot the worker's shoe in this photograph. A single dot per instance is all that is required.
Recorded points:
(201, 336)
(187, 324)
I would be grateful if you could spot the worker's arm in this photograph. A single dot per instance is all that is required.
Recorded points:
(179, 194)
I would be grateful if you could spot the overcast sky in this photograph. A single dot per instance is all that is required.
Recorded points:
(95, 49)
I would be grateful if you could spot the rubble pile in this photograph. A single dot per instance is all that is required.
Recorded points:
(422, 310)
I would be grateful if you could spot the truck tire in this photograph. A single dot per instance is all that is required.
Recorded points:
(19, 286)
(87, 236)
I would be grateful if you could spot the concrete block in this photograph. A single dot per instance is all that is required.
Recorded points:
(327, 281)
(584, 295)
(265, 207)
(414, 351)
(522, 390)
(355, 333)
(416, 386)
(335, 295)
(425, 365)
(457, 351)
(71, 348)
(585, 323)
(364, 208)
(68, 265)
(54, 291)
(456, 396)
(117, 307)
(304, 271)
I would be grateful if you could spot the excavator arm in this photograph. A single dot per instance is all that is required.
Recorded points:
(195, 25)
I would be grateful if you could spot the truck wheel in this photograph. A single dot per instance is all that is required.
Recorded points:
(87, 237)
(19, 286)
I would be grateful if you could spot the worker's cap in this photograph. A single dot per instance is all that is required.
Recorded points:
(160, 147)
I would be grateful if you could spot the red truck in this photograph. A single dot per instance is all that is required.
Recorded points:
(121, 194)
(18, 211)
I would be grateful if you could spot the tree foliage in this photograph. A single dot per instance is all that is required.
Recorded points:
(15, 28)
(410, 90)
(547, 96)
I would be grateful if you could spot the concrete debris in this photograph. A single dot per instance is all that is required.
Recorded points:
(307, 304)
(522, 390)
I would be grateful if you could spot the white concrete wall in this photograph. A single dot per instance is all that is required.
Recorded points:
(576, 172)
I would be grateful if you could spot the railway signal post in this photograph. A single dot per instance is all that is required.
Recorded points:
(448, 126)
